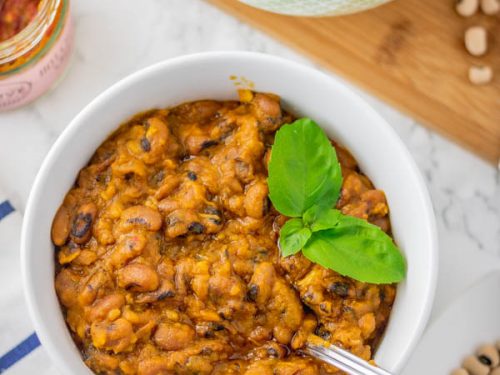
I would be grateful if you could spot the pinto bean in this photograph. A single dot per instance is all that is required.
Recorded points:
(60, 226)
(138, 278)
(174, 336)
(143, 216)
(81, 229)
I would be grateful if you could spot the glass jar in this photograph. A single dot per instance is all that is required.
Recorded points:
(32, 60)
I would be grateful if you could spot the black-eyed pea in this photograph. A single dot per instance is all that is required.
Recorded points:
(268, 110)
(307, 328)
(114, 314)
(68, 253)
(89, 292)
(467, 8)
(282, 334)
(103, 231)
(85, 258)
(261, 284)
(480, 75)
(367, 324)
(256, 202)
(128, 247)
(155, 140)
(141, 216)
(105, 361)
(490, 7)
(275, 350)
(472, 364)
(170, 183)
(488, 355)
(476, 40)
(127, 167)
(243, 170)
(138, 278)
(60, 226)
(104, 306)
(66, 285)
(81, 228)
(459, 371)
(117, 336)
(173, 336)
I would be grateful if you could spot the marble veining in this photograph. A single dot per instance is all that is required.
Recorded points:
(114, 39)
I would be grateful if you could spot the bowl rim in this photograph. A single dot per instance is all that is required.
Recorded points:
(77, 122)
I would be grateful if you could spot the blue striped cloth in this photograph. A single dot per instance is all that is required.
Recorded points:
(20, 350)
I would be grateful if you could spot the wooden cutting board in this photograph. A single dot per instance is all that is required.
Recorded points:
(409, 53)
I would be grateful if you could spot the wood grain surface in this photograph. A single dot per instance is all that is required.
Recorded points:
(410, 53)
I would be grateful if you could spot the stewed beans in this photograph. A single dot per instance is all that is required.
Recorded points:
(167, 252)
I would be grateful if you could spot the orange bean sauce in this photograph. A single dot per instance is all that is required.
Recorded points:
(15, 15)
(168, 257)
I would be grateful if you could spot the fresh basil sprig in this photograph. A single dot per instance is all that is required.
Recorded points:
(304, 184)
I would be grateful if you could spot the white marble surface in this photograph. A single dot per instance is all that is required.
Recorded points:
(115, 38)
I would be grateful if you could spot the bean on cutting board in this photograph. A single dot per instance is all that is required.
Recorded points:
(480, 75)
(467, 8)
(476, 40)
(490, 7)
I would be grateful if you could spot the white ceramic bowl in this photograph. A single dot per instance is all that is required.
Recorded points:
(305, 91)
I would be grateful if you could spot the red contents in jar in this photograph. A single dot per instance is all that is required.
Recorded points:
(15, 15)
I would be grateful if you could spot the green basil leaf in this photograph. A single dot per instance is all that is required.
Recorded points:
(321, 218)
(293, 237)
(303, 169)
(357, 249)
